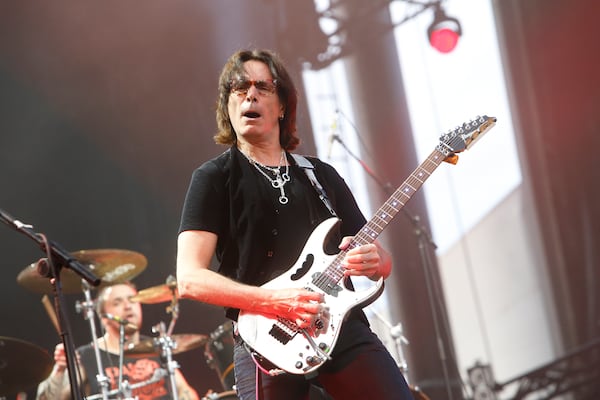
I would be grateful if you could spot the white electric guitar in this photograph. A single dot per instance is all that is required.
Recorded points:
(301, 351)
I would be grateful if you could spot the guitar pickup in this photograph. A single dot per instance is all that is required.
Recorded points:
(280, 335)
(326, 284)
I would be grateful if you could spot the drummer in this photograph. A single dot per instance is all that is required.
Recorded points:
(113, 305)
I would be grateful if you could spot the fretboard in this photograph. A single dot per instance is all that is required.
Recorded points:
(384, 215)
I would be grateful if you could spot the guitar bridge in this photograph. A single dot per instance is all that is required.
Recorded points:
(284, 330)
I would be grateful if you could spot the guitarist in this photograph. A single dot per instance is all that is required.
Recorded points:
(253, 208)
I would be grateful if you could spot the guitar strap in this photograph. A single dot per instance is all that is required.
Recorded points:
(308, 168)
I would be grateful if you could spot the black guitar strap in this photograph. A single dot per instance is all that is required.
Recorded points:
(309, 170)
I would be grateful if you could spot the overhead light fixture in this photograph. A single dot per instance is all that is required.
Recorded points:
(444, 31)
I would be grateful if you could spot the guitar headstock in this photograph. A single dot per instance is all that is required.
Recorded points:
(464, 136)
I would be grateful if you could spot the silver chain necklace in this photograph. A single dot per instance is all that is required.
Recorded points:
(280, 179)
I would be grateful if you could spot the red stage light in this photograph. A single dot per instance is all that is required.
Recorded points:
(443, 33)
(444, 40)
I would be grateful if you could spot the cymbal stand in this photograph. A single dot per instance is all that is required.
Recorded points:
(173, 308)
(125, 391)
(88, 307)
(167, 345)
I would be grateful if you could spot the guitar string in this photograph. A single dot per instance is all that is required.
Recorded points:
(389, 210)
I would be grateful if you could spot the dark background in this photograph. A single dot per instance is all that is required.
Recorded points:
(106, 108)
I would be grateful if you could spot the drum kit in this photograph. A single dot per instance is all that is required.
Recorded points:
(23, 364)
(115, 266)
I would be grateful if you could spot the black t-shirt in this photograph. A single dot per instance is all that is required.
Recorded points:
(258, 237)
(135, 371)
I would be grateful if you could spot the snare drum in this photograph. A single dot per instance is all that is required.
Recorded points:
(219, 355)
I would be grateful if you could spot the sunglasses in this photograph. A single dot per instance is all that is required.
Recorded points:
(241, 86)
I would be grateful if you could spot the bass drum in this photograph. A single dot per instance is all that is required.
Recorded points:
(229, 395)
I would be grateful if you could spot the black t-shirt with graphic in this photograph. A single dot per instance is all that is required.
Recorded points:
(136, 371)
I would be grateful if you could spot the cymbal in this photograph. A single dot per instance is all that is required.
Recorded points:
(111, 265)
(183, 343)
(156, 294)
(22, 365)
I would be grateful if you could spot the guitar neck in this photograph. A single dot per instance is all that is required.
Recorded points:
(384, 215)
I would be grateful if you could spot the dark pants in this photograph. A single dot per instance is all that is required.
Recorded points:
(368, 371)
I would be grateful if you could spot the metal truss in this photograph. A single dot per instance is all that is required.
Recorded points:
(337, 45)
(577, 375)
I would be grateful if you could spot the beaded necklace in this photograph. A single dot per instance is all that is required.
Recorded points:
(280, 178)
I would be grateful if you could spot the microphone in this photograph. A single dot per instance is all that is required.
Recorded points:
(121, 321)
(333, 136)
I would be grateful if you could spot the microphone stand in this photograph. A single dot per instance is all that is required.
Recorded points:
(424, 240)
(121, 359)
(124, 387)
(57, 258)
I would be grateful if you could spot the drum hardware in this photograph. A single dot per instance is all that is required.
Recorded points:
(110, 265)
(124, 389)
(61, 273)
(161, 294)
(182, 343)
(49, 271)
(159, 373)
(177, 343)
(167, 344)
(230, 394)
(219, 354)
(396, 332)
(22, 365)
(87, 307)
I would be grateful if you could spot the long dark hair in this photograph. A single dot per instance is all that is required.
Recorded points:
(286, 91)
